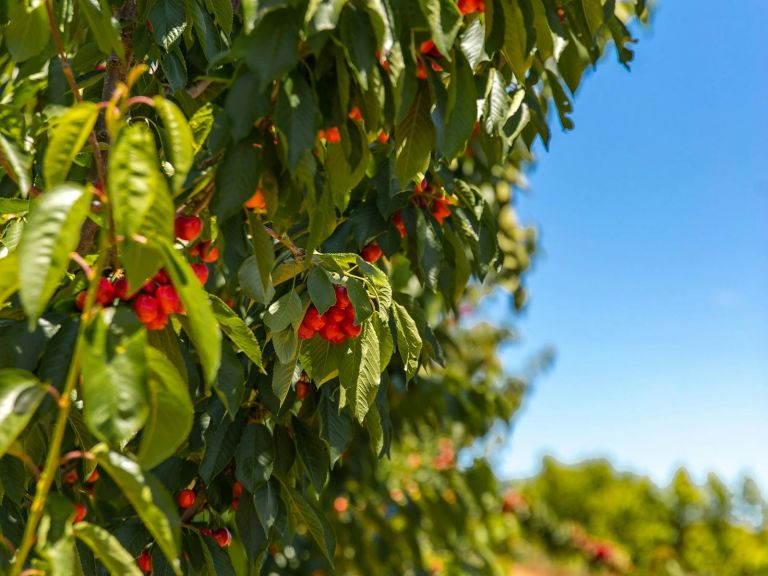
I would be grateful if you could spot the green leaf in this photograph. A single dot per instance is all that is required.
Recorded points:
(360, 299)
(230, 381)
(9, 276)
(343, 176)
(55, 536)
(317, 525)
(19, 161)
(255, 457)
(237, 331)
(359, 42)
(168, 21)
(320, 289)
(170, 411)
(105, 28)
(296, 116)
(27, 33)
(115, 402)
(313, 453)
(67, 138)
(200, 323)
(223, 13)
(200, 124)
(107, 548)
(287, 310)
(415, 138)
(245, 103)
(359, 373)
(254, 282)
(20, 395)
(444, 21)
(236, 179)
(149, 499)
(386, 343)
(178, 141)
(496, 103)
(408, 339)
(51, 233)
(321, 359)
(335, 428)
(515, 38)
(272, 49)
(286, 344)
(137, 188)
(461, 108)
(284, 375)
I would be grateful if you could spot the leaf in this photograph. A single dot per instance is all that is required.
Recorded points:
(444, 21)
(149, 499)
(320, 289)
(287, 310)
(107, 548)
(284, 375)
(115, 402)
(236, 179)
(178, 141)
(170, 411)
(317, 525)
(245, 103)
(256, 285)
(200, 124)
(295, 116)
(359, 373)
(286, 344)
(27, 33)
(67, 138)
(359, 42)
(51, 233)
(168, 20)
(255, 457)
(221, 440)
(408, 339)
(250, 529)
(313, 454)
(237, 330)
(230, 381)
(335, 428)
(360, 299)
(461, 108)
(496, 103)
(9, 276)
(515, 40)
(415, 138)
(19, 161)
(200, 324)
(272, 49)
(20, 395)
(105, 28)
(223, 13)
(321, 359)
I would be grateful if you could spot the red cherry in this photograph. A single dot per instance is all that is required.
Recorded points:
(382, 138)
(330, 331)
(206, 253)
(161, 277)
(80, 300)
(257, 201)
(105, 293)
(146, 308)
(70, 477)
(205, 531)
(185, 498)
(302, 390)
(313, 319)
(350, 315)
(80, 513)
(342, 300)
(158, 323)
(332, 135)
(371, 253)
(145, 562)
(120, 287)
(336, 314)
(201, 271)
(440, 210)
(351, 330)
(93, 477)
(470, 6)
(397, 220)
(237, 489)
(355, 114)
(235, 503)
(223, 537)
(188, 227)
(169, 300)
(341, 504)
(305, 332)
(421, 72)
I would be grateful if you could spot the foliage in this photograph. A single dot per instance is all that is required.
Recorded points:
(195, 198)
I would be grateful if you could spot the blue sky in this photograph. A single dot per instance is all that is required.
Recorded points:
(652, 283)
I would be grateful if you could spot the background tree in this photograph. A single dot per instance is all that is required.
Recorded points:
(235, 242)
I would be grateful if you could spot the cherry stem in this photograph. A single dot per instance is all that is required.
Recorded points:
(141, 100)
(83, 264)
(74, 455)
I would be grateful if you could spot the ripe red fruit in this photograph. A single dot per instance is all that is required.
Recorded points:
(305, 332)
(440, 210)
(332, 332)
(428, 47)
(235, 503)
(332, 135)
(223, 537)
(206, 253)
(161, 277)
(70, 477)
(421, 72)
(351, 330)
(302, 390)
(205, 531)
(257, 201)
(341, 504)
(80, 300)
(188, 227)
(336, 314)
(145, 562)
(158, 323)
(201, 271)
(168, 299)
(146, 308)
(237, 489)
(313, 319)
(371, 252)
(80, 513)
(185, 498)
(383, 137)
(470, 6)
(397, 220)
(355, 114)
(120, 287)
(105, 293)
(342, 300)
(93, 477)
(350, 315)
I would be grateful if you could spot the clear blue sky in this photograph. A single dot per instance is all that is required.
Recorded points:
(652, 284)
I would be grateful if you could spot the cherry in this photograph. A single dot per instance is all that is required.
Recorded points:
(421, 72)
(185, 498)
(205, 531)
(342, 300)
(158, 323)
(93, 477)
(313, 319)
(341, 504)
(80, 513)
(351, 330)
(332, 135)
(440, 210)
(201, 271)
(305, 332)
(161, 277)
(383, 137)
(257, 201)
(145, 562)
(350, 315)
(302, 390)
(355, 114)
(168, 299)
(237, 489)
(206, 253)
(331, 332)
(120, 286)
(188, 227)
(470, 6)
(70, 477)
(371, 252)
(336, 314)
(397, 220)
(80, 300)
(146, 308)
(105, 293)
(223, 537)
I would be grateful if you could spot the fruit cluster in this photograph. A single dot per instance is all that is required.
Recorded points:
(427, 196)
(336, 325)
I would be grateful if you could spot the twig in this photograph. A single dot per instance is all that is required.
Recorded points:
(295, 250)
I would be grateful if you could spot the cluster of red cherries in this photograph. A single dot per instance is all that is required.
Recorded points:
(157, 300)
(426, 196)
(336, 325)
